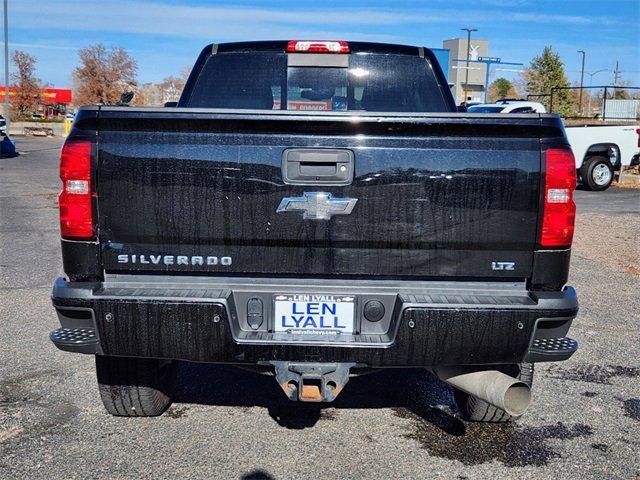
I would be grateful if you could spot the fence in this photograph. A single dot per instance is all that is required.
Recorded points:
(623, 109)
(600, 102)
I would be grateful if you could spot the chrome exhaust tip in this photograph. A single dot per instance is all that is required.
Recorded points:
(494, 387)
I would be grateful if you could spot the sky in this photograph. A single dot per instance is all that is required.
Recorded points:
(165, 36)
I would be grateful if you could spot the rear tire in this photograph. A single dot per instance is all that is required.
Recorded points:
(135, 387)
(596, 173)
(476, 410)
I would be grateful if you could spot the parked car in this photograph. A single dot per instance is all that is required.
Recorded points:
(508, 106)
(318, 209)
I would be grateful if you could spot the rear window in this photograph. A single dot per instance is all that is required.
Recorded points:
(523, 110)
(481, 109)
(370, 82)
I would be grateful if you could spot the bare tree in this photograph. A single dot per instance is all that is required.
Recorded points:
(157, 94)
(103, 75)
(147, 94)
(26, 86)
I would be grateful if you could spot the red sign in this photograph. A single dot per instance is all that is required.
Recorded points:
(49, 95)
(56, 95)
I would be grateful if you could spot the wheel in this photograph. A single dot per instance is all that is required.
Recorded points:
(596, 173)
(476, 410)
(135, 387)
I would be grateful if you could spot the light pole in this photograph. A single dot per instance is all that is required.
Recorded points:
(466, 81)
(591, 75)
(581, 80)
(7, 113)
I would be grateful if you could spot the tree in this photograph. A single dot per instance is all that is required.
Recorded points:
(501, 88)
(157, 94)
(103, 75)
(621, 93)
(26, 86)
(172, 86)
(546, 72)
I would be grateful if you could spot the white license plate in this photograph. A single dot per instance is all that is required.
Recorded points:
(314, 314)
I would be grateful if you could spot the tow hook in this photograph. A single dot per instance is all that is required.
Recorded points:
(312, 382)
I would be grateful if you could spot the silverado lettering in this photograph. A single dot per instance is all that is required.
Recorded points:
(174, 260)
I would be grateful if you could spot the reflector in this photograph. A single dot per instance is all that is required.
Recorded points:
(78, 187)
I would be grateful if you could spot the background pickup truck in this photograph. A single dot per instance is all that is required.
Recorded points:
(600, 150)
(316, 210)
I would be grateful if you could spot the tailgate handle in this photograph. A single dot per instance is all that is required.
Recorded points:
(306, 166)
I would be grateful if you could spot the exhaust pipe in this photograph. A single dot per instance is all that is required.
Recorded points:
(492, 386)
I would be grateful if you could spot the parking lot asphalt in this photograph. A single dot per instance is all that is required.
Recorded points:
(233, 424)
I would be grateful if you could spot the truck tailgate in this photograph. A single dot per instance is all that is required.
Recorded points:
(194, 190)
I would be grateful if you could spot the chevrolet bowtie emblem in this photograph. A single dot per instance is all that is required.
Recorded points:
(317, 205)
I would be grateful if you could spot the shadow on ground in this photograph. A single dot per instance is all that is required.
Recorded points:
(414, 395)
(412, 389)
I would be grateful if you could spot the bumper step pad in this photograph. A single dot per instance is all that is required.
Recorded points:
(551, 349)
(81, 340)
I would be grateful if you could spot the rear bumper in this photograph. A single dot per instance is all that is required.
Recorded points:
(205, 319)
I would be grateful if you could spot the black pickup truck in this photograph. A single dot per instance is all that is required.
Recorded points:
(316, 210)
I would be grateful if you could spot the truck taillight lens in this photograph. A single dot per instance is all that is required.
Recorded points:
(317, 46)
(76, 219)
(559, 212)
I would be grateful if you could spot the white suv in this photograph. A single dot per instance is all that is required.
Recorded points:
(508, 106)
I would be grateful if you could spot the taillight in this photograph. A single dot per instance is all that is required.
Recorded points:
(317, 46)
(76, 219)
(559, 211)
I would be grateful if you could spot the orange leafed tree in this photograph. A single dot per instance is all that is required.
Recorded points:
(103, 75)
(26, 95)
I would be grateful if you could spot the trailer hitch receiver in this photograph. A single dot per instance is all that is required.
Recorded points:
(312, 382)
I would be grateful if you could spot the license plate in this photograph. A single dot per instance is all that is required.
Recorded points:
(314, 314)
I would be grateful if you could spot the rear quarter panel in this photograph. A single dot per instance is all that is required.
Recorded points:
(623, 137)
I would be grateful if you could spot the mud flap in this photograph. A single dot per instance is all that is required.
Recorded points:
(312, 382)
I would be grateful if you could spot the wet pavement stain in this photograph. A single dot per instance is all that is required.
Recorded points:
(591, 373)
(476, 443)
(330, 415)
(589, 394)
(15, 390)
(177, 412)
(48, 415)
(603, 447)
(632, 408)
(30, 388)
